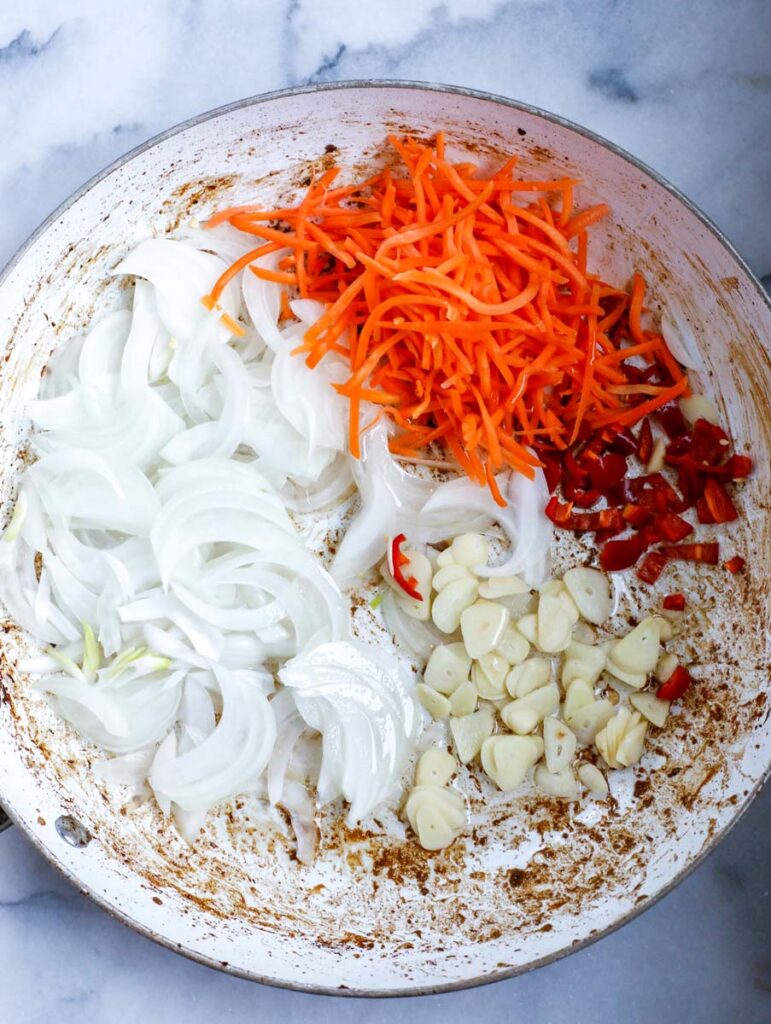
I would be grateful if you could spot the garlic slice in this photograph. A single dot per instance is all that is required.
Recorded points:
(579, 694)
(463, 700)
(448, 666)
(590, 589)
(621, 740)
(444, 558)
(582, 661)
(451, 602)
(528, 676)
(633, 679)
(555, 627)
(523, 714)
(665, 666)
(699, 407)
(435, 767)
(502, 586)
(437, 815)
(651, 707)
(449, 574)
(482, 626)
(528, 627)
(489, 674)
(507, 759)
(470, 549)
(591, 777)
(469, 733)
(561, 784)
(435, 703)
(512, 645)
(638, 651)
(587, 720)
(559, 744)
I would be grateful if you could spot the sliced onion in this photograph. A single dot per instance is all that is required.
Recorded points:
(680, 339)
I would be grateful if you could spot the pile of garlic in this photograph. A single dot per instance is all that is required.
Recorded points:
(522, 684)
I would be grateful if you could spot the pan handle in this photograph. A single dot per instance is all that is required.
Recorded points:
(5, 821)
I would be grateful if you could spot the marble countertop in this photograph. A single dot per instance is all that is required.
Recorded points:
(685, 86)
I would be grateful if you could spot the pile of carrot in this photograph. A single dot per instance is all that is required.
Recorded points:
(467, 314)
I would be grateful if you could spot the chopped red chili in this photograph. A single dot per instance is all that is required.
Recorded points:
(672, 526)
(651, 566)
(735, 564)
(398, 559)
(739, 466)
(607, 471)
(674, 602)
(636, 515)
(674, 687)
(709, 442)
(672, 420)
(707, 553)
(645, 442)
(621, 554)
(715, 506)
(564, 516)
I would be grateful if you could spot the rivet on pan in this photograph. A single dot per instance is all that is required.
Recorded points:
(72, 832)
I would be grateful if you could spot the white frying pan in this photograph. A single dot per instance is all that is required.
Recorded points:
(534, 879)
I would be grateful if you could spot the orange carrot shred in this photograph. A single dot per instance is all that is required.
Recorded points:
(465, 307)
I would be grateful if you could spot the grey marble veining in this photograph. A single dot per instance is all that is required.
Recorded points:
(686, 86)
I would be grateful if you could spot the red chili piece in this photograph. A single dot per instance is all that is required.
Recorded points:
(672, 527)
(739, 466)
(645, 442)
(735, 564)
(709, 443)
(707, 553)
(621, 554)
(651, 566)
(674, 602)
(408, 584)
(564, 516)
(676, 685)
(672, 420)
(715, 506)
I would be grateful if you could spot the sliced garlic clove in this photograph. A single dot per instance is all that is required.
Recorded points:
(495, 669)
(528, 676)
(630, 749)
(469, 733)
(482, 626)
(448, 666)
(579, 694)
(699, 407)
(582, 661)
(561, 784)
(555, 627)
(651, 707)
(449, 574)
(520, 719)
(590, 590)
(507, 759)
(528, 627)
(437, 815)
(436, 704)
(452, 602)
(665, 666)
(656, 461)
(555, 588)
(444, 558)
(470, 549)
(523, 714)
(587, 721)
(638, 651)
(463, 700)
(591, 777)
(436, 767)
(633, 679)
(519, 604)
(621, 740)
(512, 645)
(502, 586)
(666, 629)
(559, 744)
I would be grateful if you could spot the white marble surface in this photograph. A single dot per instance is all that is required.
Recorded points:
(684, 85)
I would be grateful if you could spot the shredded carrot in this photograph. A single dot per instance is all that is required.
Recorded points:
(464, 305)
